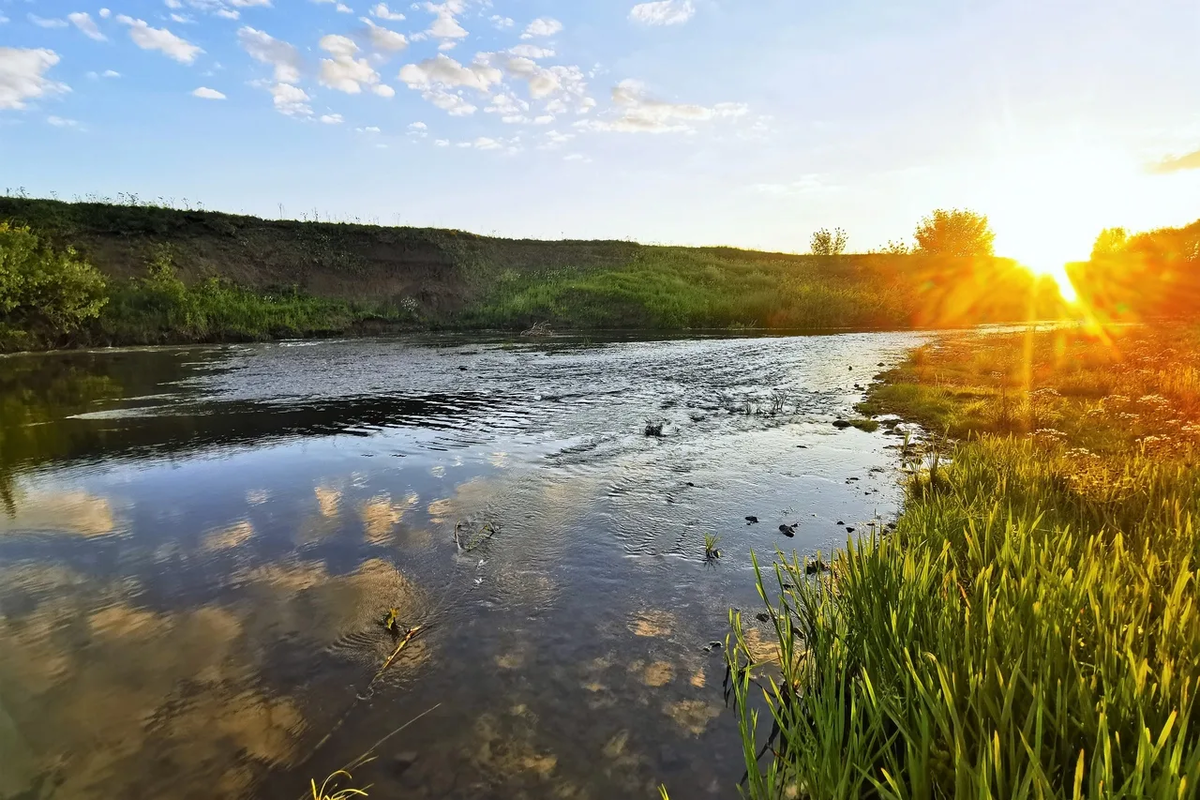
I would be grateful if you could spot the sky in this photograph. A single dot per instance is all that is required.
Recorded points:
(740, 122)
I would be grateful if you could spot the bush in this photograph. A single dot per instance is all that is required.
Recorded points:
(42, 290)
(828, 243)
(957, 233)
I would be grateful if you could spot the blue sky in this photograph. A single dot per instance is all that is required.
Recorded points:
(745, 122)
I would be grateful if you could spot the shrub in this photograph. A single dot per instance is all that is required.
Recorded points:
(828, 243)
(43, 290)
(956, 233)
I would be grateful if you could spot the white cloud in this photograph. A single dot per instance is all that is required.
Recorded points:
(291, 100)
(531, 51)
(381, 11)
(43, 22)
(641, 113)
(807, 184)
(342, 8)
(110, 73)
(173, 3)
(249, 3)
(332, 119)
(555, 139)
(60, 122)
(485, 143)
(182, 19)
(577, 157)
(556, 84)
(447, 27)
(105, 13)
(502, 23)
(543, 26)
(418, 126)
(452, 104)
(23, 76)
(160, 39)
(445, 71)
(228, 13)
(442, 142)
(383, 90)
(338, 45)
(544, 119)
(87, 25)
(344, 72)
(384, 39)
(205, 93)
(368, 129)
(3, 19)
(664, 12)
(265, 49)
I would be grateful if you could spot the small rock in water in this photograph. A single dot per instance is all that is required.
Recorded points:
(689, 483)
(839, 522)
(813, 567)
(763, 617)
(751, 519)
(402, 762)
(881, 364)
(849, 529)
(463, 369)
(841, 424)
(787, 530)
(711, 646)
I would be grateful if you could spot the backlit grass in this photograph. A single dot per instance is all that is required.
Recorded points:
(1031, 628)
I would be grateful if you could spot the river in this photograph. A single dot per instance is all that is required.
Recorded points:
(198, 545)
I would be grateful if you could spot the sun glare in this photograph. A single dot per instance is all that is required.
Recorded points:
(1050, 206)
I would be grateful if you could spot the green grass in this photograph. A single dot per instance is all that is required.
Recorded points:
(723, 288)
(289, 277)
(1031, 628)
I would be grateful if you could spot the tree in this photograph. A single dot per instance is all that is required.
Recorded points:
(1110, 242)
(956, 233)
(826, 243)
(44, 288)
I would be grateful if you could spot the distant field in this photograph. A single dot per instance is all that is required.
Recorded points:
(250, 278)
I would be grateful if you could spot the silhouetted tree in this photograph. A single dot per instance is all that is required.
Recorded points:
(828, 243)
(1110, 242)
(955, 232)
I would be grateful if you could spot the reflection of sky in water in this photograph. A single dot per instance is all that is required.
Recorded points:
(190, 594)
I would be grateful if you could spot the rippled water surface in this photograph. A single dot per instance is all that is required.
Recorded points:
(197, 547)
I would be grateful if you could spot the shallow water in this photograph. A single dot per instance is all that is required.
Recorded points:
(197, 545)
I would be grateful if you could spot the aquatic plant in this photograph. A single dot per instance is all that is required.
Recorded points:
(328, 789)
(711, 553)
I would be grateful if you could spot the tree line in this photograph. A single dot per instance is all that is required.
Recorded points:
(954, 233)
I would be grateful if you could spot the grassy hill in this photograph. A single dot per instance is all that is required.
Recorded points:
(248, 278)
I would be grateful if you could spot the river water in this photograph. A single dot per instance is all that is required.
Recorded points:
(197, 546)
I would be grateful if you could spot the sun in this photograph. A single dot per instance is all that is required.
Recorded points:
(1061, 279)
(1047, 207)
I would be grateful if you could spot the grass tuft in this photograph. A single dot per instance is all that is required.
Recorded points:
(711, 553)
(1032, 626)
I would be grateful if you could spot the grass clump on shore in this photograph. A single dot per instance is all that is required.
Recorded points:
(1032, 628)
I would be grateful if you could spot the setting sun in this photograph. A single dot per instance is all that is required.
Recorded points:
(1048, 204)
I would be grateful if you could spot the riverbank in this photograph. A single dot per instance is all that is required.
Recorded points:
(243, 278)
(1031, 626)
